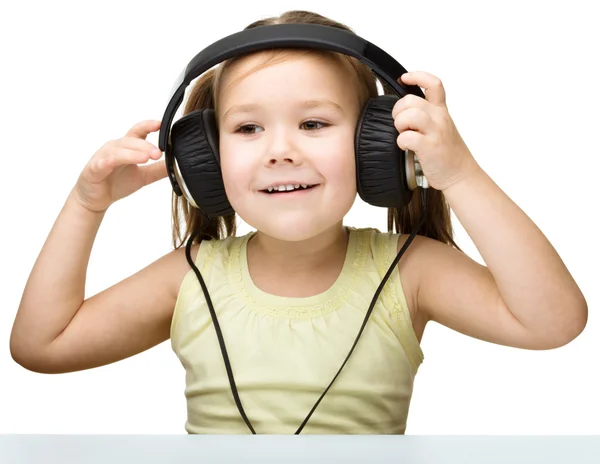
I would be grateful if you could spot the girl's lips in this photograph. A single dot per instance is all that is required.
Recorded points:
(291, 193)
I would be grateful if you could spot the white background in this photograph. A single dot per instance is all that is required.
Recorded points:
(522, 86)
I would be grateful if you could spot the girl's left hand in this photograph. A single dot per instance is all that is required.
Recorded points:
(426, 128)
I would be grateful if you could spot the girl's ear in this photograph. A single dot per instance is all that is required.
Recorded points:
(382, 172)
(195, 148)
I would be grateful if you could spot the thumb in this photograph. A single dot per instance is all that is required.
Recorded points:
(153, 172)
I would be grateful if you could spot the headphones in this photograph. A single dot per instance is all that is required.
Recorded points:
(385, 175)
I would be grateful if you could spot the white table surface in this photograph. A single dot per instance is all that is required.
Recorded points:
(114, 449)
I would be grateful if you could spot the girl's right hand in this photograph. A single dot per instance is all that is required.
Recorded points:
(113, 172)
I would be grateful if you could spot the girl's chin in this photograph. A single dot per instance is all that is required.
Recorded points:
(292, 227)
(290, 233)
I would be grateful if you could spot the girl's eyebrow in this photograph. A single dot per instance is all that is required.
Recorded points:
(315, 103)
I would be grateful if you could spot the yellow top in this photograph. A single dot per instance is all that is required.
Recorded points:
(285, 351)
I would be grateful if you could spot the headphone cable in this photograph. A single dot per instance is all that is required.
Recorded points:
(213, 315)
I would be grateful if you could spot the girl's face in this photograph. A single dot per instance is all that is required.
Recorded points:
(289, 123)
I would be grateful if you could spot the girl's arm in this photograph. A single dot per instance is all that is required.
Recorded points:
(524, 296)
(55, 330)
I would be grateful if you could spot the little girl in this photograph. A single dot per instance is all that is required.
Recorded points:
(291, 296)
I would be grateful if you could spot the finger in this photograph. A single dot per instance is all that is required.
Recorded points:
(413, 119)
(101, 167)
(155, 171)
(142, 129)
(97, 170)
(139, 145)
(122, 156)
(410, 140)
(431, 85)
(409, 101)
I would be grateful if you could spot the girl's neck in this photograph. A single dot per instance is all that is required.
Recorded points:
(305, 256)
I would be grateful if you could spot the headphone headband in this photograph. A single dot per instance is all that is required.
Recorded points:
(312, 36)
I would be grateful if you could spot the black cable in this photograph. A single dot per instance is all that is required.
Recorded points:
(370, 310)
(213, 315)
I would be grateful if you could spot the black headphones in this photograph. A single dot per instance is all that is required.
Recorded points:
(385, 176)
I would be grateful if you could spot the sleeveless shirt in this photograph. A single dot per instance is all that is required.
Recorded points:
(285, 351)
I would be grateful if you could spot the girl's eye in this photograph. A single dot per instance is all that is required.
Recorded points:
(311, 125)
(249, 129)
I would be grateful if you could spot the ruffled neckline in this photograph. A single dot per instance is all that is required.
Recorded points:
(302, 307)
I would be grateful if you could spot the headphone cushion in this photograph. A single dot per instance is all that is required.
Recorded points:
(195, 146)
(380, 163)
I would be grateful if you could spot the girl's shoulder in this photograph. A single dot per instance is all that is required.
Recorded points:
(384, 246)
(204, 253)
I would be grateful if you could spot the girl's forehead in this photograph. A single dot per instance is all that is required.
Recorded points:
(316, 64)
(306, 75)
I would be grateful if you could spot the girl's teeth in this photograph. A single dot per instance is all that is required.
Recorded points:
(288, 187)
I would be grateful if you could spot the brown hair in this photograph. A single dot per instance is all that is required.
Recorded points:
(437, 224)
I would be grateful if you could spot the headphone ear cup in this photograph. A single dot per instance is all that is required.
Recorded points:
(381, 178)
(195, 147)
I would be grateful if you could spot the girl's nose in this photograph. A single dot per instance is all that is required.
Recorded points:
(282, 148)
